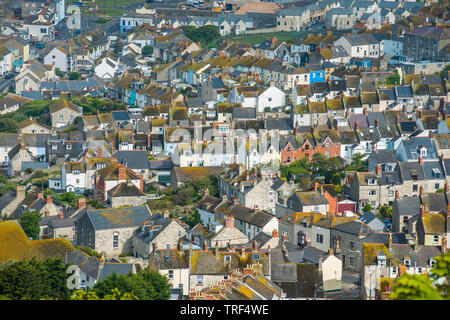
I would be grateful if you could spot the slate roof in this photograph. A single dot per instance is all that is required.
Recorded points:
(409, 206)
(244, 113)
(133, 159)
(311, 198)
(251, 216)
(119, 268)
(152, 226)
(125, 189)
(118, 217)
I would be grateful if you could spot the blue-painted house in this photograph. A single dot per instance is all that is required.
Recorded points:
(316, 73)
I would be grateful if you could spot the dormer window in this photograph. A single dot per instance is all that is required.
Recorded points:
(407, 262)
(227, 258)
(436, 239)
(432, 263)
(381, 261)
(76, 172)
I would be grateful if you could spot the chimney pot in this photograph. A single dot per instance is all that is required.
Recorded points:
(275, 233)
(49, 199)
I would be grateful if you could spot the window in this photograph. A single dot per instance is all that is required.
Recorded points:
(170, 274)
(415, 187)
(227, 258)
(200, 280)
(394, 270)
(372, 192)
(168, 246)
(115, 240)
(352, 262)
(436, 239)
(319, 238)
(352, 246)
(256, 257)
(436, 185)
(407, 263)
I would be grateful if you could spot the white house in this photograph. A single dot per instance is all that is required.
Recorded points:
(359, 46)
(60, 58)
(107, 68)
(271, 97)
(73, 177)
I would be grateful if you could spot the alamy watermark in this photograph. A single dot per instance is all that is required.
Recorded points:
(220, 145)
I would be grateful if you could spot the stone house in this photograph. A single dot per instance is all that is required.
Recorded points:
(308, 201)
(30, 126)
(125, 194)
(431, 228)
(249, 189)
(17, 155)
(174, 264)
(248, 221)
(158, 231)
(109, 177)
(63, 113)
(110, 231)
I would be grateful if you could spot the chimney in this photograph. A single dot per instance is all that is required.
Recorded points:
(61, 214)
(81, 203)
(206, 191)
(397, 118)
(431, 134)
(114, 160)
(229, 221)
(356, 125)
(41, 195)
(444, 244)
(275, 233)
(122, 173)
(377, 122)
(316, 186)
(378, 170)
(421, 192)
(374, 147)
(308, 241)
(365, 112)
(99, 152)
(397, 195)
(154, 246)
(285, 237)
(235, 201)
(320, 262)
(285, 252)
(421, 161)
(446, 187)
(216, 249)
(49, 199)
(141, 183)
(205, 245)
(46, 212)
(330, 252)
(224, 198)
(390, 242)
(20, 192)
(254, 245)
(180, 245)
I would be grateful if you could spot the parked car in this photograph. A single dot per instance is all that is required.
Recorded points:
(9, 76)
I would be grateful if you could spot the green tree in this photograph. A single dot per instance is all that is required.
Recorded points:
(422, 287)
(367, 207)
(205, 34)
(415, 287)
(394, 79)
(386, 211)
(91, 295)
(59, 73)
(74, 76)
(29, 221)
(144, 285)
(147, 50)
(8, 125)
(34, 280)
(194, 219)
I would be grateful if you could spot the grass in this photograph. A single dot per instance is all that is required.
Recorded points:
(260, 37)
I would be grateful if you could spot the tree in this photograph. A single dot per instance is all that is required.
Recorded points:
(203, 34)
(59, 73)
(194, 219)
(422, 287)
(394, 79)
(415, 287)
(74, 76)
(29, 221)
(34, 280)
(367, 207)
(91, 295)
(147, 50)
(8, 125)
(144, 285)
(386, 211)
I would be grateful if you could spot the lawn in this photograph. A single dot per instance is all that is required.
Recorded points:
(107, 7)
(260, 37)
(106, 3)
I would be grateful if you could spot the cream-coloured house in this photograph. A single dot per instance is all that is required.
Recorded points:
(63, 113)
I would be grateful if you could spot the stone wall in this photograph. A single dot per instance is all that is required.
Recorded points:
(104, 241)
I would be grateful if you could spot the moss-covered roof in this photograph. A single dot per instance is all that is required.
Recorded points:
(335, 104)
(372, 250)
(301, 109)
(434, 223)
(15, 245)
